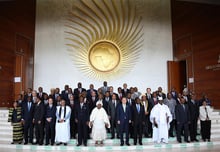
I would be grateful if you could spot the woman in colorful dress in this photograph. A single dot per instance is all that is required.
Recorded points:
(15, 118)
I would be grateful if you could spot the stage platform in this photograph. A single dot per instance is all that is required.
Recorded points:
(112, 144)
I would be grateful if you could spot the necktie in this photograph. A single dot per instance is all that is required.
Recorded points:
(183, 107)
(207, 117)
(138, 108)
(29, 106)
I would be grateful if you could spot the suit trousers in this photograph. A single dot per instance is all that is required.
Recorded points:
(138, 130)
(82, 132)
(124, 127)
(50, 132)
(39, 133)
(185, 128)
(205, 129)
(28, 132)
(193, 129)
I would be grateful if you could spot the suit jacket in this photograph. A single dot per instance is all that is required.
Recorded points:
(123, 116)
(64, 95)
(112, 109)
(194, 110)
(82, 114)
(91, 104)
(182, 116)
(26, 115)
(138, 117)
(39, 112)
(42, 95)
(51, 112)
(88, 93)
(105, 104)
(103, 89)
(131, 102)
(76, 92)
(124, 93)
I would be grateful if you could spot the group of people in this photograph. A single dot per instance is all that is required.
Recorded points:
(84, 114)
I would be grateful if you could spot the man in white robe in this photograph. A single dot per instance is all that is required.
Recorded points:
(98, 121)
(63, 113)
(160, 117)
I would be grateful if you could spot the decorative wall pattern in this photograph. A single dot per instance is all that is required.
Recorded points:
(105, 37)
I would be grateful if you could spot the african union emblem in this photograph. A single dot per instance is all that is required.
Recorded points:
(105, 37)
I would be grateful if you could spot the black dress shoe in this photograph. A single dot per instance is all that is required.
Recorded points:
(12, 143)
(25, 143)
(85, 144)
(58, 143)
(122, 144)
(208, 140)
(78, 145)
(196, 140)
(140, 143)
(52, 144)
(65, 144)
(46, 144)
(112, 137)
(135, 143)
(127, 144)
(179, 141)
(187, 141)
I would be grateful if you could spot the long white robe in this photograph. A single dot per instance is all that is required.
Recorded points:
(99, 117)
(160, 113)
(63, 129)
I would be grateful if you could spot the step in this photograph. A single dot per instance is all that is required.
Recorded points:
(7, 137)
(6, 128)
(111, 148)
(5, 123)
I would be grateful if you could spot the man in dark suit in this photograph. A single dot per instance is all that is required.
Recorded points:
(92, 101)
(147, 124)
(104, 103)
(64, 93)
(174, 94)
(90, 90)
(125, 90)
(182, 119)
(27, 118)
(77, 91)
(160, 93)
(194, 115)
(50, 116)
(40, 93)
(73, 126)
(112, 106)
(123, 116)
(82, 120)
(130, 102)
(38, 120)
(138, 117)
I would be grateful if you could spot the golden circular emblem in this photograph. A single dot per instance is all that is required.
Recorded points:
(104, 56)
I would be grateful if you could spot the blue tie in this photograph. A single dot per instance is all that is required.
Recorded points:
(29, 106)
(138, 108)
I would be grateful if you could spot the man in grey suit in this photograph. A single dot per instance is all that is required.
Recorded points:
(112, 106)
(105, 87)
